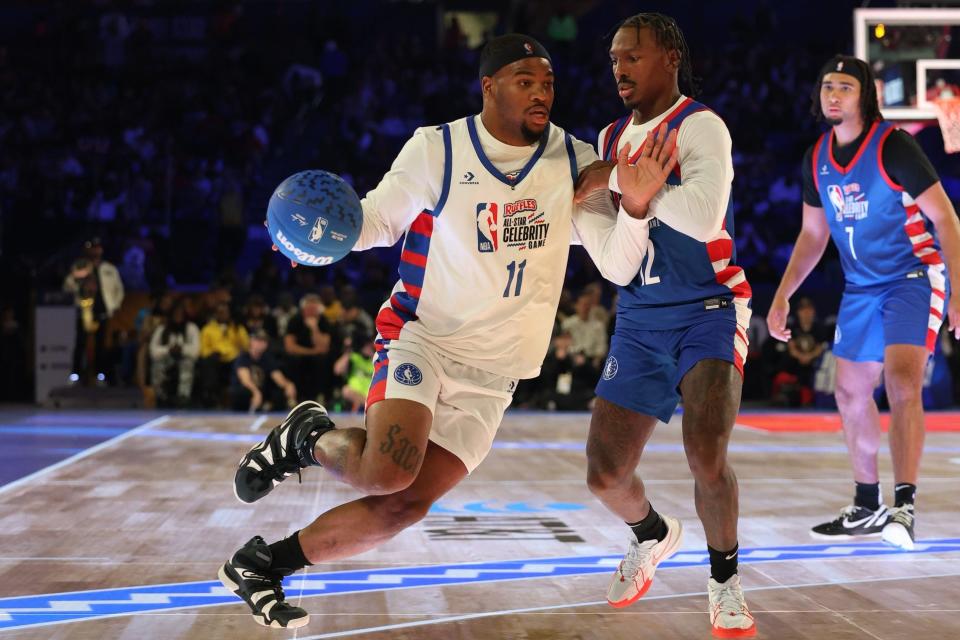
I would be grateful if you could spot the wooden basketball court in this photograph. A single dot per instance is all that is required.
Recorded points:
(123, 538)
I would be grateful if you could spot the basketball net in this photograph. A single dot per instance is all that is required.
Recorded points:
(948, 113)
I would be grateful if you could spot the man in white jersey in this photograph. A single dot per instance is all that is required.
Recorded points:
(486, 206)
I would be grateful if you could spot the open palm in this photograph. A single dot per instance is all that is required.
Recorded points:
(641, 180)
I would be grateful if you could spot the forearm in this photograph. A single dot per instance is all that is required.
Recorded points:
(279, 379)
(616, 244)
(297, 350)
(243, 375)
(948, 231)
(695, 210)
(806, 253)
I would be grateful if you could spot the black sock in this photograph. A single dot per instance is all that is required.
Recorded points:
(723, 564)
(868, 495)
(904, 493)
(288, 555)
(650, 527)
(322, 426)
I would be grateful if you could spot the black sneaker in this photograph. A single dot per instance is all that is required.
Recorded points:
(249, 575)
(898, 531)
(284, 451)
(853, 522)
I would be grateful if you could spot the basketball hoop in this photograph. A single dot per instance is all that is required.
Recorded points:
(948, 113)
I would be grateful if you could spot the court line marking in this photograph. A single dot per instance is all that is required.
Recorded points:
(573, 446)
(147, 599)
(83, 454)
(554, 607)
(317, 501)
(258, 423)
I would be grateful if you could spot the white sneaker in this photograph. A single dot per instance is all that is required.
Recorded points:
(635, 573)
(728, 611)
(898, 531)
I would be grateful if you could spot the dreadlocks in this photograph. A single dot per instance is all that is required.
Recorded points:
(670, 38)
(869, 102)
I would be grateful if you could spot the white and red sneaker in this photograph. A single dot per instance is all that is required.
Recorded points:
(635, 573)
(729, 615)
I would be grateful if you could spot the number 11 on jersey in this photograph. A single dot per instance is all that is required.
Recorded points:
(514, 269)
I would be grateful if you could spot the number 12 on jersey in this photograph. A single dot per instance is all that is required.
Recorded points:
(513, 269)
(645, 273)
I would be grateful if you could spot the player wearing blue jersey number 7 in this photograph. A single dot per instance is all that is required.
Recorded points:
(869, 187)
(485, 207)
(681, 323)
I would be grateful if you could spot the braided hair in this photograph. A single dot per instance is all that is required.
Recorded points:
(669, 37)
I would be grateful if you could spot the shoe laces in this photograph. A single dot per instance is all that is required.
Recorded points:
(638, 554)
(282, 465)
(850, 510)
(268, 582)
(902, 515)
(729, 597)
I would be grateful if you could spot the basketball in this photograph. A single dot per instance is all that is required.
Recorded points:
(314, 217)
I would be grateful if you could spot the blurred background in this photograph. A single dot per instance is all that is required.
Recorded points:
(140, 141)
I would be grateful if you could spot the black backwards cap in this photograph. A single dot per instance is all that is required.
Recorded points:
(508, 48)
(845, 64)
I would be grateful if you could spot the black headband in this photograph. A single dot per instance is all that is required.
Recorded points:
(503, 50)
(844, 64)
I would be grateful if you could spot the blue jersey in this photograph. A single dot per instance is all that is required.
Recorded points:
(681, 278)
(879, 231)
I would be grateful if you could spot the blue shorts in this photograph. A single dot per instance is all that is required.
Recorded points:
(907, 311)
(644, 368)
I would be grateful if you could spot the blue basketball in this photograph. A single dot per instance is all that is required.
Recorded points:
(314, 217)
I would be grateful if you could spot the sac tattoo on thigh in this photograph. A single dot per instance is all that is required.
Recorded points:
(402, 452)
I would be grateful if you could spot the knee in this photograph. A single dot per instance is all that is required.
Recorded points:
(707, 459)
(399, 511)
(902, 388)
(384, 481)
(849, 396)
(606, 474)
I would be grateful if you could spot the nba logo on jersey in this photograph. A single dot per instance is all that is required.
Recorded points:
(836, 199)
(318, 228)
(848, 201)
(408, 374)
(610, 368)
(487, 227)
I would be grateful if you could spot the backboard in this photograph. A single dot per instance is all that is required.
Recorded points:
(914, 55)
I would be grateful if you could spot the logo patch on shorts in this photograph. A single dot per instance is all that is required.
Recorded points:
(610, 368)
(408, 374)
(837, 335)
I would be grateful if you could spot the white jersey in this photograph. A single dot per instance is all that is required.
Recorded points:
(487, 233)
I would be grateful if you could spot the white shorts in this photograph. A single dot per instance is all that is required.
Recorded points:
(467, 403)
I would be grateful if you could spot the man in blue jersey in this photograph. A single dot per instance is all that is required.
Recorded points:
(869, 186)
(681, 323)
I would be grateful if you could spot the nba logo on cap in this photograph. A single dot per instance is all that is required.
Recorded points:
(319, 226)
(528, 48)
(840, 66)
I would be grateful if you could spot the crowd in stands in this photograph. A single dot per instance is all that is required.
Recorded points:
(162, 128)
